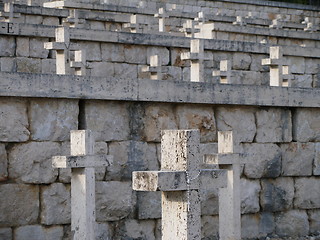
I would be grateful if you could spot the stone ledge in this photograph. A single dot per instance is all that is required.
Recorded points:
(59, 86)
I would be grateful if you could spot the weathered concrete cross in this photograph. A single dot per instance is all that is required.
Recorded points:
(239, 21)
(8, 13)
(309, 25)
(82, 162)
(155, 68)
(133, 25)
(189, 28)
(80, 63)
(161, 15)
(197, 57)
(73, 20)
(279, 70)
(224, 73)
(179, 181)
(277, 22)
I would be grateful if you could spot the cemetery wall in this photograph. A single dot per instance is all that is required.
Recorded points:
(279, 183)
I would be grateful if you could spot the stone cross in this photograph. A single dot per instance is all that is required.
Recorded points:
(239, 21)
(80, 63)
(206, 31)
(161, 15)
(189, 28)
(197, 57)
(155, 68)
(277, 22)
(309, 25)
(224, 73)
(201, 19)
(73, 20)
(82, 163)
(278, 68)
(229, 197)
(133, 25)
(179, 181)
(8, 13)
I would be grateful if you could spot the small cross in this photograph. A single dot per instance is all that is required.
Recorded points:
(277, 22)
(201, 19)
(250, 15)
(155, 68)
(229, 197)
(197, 57)
(80, 63)
(278, 68)
(73, 20)
(224, 73)
(133, 25)
(239, 21)
(161, 15)
(309, 25)
(189, 28)
(8, 13)
(82, 163)
(180, 180)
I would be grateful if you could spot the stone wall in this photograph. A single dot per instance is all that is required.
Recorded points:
(279, 183)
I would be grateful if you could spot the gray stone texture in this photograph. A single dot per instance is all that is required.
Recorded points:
(257, 226)
(263, 160)
(133, 229)
(293, 223)
(316, 164)
(249, 194)
(7, 46)
(36, 48)
(209, 201)
(13, 120)
(5, 234)
(102, 69)
(3, 163)
(93, 50)
(28, 65)
(241, 61)
(19, 204)
(277, 194)
(314, 221)
(23, 47)
(297, 159)
(52, 120)
(31, 162)
(306, 125)
(108, 120)
(112, 52)
(103, 231)
(135, 54)
(131, 71)
(210, 227)
(149, 205)
(55, 204)
(307, 195)
(297, 65)
(274, 125)
(37, 232)
(114, 200)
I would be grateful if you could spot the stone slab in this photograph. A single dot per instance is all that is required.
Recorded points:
(81, 161)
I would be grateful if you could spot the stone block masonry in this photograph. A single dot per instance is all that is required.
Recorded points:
(276, 129)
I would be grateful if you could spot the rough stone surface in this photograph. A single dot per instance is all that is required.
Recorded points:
(131, 71)
(36, 232)
(13, 121)
(297, 65)
(108, 120)
(250, 190)
(274, 125)
(210, 227)
(103, 231)
(135, 54)
(102, 69)
(93, 50)
(263, 160)
(209, 201)
(293, 223)
(55, 204)
(241, 61)
(255, 226)
(3, 163)
(52, 120)
(20, 205)
(134, 229)
(307, 195)
(131, 156)
(314, 220)
(277, 194)
(5, 233)
(195, 117)
(149, 205)
(8, 64)
(316, 169)
(31, 162)
(23, 48)
(302, 81)
(48, 66)
(306, 125)
(28, 65)
(7, 46)
(36, 48)
(114, 200)
(297, 159)
(162, 52)
(112, 52)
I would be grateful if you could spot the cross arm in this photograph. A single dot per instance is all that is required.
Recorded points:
(82, 161)
(272, 62)
(223, 159)
(219, 73)
(55, 46)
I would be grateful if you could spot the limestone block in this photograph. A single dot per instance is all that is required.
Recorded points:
(135, 54)
(247, 78)
(257, 226)
(3, 163)
(131, 156)
(20, 205)
(316, 165)
(97, 25)
(314, 221)
(8, 64)
(102, 69)
(109, 120)
(5, 234)
(274, 125)
(307, 195)
(312, 65)
(241, 61)
(93, 50)
(209, 201)
(114, 200)
(23, 47)
(263, 160)
(112, 52)
(306, 125)
(55, 204)
(36, 48)
(293, 223)
(149, 205)
(51, 21)
(37, 232)
(48, 66)
(162, 52)
(210, 227)
(158, 117)
(250, 190)
(297, 65)
(297, 159)
(208, 148)
(28, 65)
(302, 81)
(52, 120)
(240, 120)
(256, 63)
(33, 19)
(134, 229)
(31, 162)
(175, 55)
(7, 46)
(171, 73)
(195, 117)
(13, 121)
(103, 231)
(276, 194)
(131, 71)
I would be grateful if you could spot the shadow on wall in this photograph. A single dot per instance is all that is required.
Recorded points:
(308, 2)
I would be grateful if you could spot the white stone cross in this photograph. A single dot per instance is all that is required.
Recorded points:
(133, 25)
(197, 57)
(229, 197)
(277, 22)
(179, 181)
(73, 20)
(201, 19)
(309, 25)
(8, 13)
(189, 28)
(278, 68)
(161, 15)
(239, 21)
(80, 63)
(155, 68)
(82, 163)
(224, 73)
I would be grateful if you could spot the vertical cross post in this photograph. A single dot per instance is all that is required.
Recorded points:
(133, 25)
(224, 73)
(80, 63)
(73, 20)
(197, 57)
(82, 163)
(179, 181)
(155, 68)
(189, 28)
(8, 13)
(161, 15)
(239, 21)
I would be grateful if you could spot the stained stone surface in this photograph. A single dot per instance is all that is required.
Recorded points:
(292, 223)
(307, 195)
(250, 190)
(37, 232)
(306, 125)
(3, 163)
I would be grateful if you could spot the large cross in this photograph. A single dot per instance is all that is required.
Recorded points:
(224, 73)
(82, 163)
(8, 13)
(197, 57)
(229, 197)
(155, 68)
(278, 68)
(179, 181)
(161, 15)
